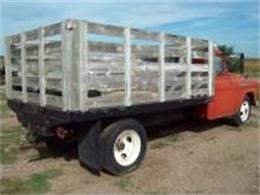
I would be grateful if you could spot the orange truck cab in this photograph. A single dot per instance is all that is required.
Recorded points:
(234, 94)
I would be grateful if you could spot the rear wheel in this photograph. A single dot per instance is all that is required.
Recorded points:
(124, 146)
(244, 112)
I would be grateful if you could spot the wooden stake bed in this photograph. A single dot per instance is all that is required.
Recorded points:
(78, 65)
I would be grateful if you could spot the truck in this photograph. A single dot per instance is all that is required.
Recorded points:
(100, 85)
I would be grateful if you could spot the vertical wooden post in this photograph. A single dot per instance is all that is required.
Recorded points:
(8, 73)
(23, 68)
(85, 77)
(188, 68)
(211, 68)
(66, 64)
(162, 67)
(80, 62)
(42, 79)
(128, 65)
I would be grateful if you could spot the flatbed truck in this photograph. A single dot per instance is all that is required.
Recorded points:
(98, 84)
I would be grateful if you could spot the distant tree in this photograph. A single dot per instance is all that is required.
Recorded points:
(227, 50)
(231, 57)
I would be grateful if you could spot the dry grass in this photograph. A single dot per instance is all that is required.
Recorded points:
(252, 67)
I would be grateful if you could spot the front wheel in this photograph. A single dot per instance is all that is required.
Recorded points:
(124, 145)
(244, 112)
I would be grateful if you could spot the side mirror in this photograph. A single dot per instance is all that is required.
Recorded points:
(242, 63)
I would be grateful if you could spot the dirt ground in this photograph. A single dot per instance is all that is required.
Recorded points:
(183, 157)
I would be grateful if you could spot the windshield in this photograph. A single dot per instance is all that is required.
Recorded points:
(218, 65)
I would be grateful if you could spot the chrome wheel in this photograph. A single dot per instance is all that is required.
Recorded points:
(127, 147)
(244, 111)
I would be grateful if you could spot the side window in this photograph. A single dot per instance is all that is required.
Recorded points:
(218, 65)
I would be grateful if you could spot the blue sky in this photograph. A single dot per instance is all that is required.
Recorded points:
(233, 22)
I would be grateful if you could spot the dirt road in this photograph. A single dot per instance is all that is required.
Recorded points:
(183, 157)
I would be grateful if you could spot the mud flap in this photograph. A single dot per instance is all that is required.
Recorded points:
(89, 148)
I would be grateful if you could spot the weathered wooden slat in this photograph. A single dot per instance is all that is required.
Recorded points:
(174, 39)
(16, 94)
(54, 77)
(175, 96)
(47, 57)
(108, 66)
(199, 43)
(54, 101)
(145, 35)
(53, 83)
(200, 84)
(33, 97)
(32, 76)
(200, 49)
(105, 57)
(31, 35)
(201, 74)
(199, 79)
(15, 52)
(53, 71)
(14, 39)
(113, 98)
(146, 79)
(51, 48)
(146, 52)
(52, 45)
(16, 81)
(203, 91)
(52, 29)
(139, 96)
(105, 47)
(32, 51)
(102, 49)
(104, 29)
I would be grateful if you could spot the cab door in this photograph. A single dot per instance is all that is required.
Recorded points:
(224, 95)
(224, 99)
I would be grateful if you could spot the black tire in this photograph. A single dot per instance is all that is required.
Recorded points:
(237, 118)
(109, 137)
